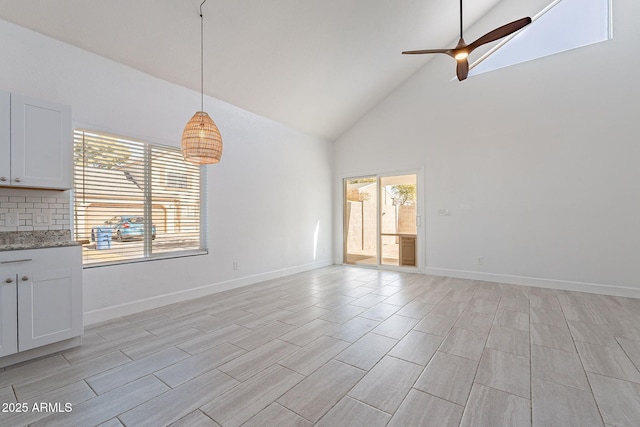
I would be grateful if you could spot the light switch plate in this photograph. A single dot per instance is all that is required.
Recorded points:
(11, 219)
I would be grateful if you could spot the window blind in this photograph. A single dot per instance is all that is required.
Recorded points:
(134, 200)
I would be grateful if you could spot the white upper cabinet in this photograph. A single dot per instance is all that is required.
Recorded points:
(5, 137)
(40, 144)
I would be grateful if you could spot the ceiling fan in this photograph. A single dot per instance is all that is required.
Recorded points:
(462, 50)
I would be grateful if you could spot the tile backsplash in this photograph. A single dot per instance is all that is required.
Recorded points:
(34, 210)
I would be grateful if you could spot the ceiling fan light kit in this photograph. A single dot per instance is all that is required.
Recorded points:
(201, 139)
(461, 55)
(463, 50)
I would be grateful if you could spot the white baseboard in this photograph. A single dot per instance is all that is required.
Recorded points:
(566, 285)
(108, 313)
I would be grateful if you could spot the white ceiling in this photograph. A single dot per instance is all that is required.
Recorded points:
(314, 65)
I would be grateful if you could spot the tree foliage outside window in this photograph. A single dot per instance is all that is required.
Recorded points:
(405, 194)
(356, 195)
(362, 180)
(94, 153)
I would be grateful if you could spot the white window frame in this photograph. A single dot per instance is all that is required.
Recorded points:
(150, 178)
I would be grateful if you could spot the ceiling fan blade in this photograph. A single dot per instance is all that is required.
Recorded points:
(500, 32)
(463, 69)
(420, 52)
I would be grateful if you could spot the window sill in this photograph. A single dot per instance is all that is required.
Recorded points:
(159, 257)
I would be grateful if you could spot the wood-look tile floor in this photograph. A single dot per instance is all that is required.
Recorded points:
(345, 346)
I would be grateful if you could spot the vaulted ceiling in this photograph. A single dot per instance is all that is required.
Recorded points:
(314, 65)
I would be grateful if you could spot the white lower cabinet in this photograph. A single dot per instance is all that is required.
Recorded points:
(8, 315)
(40, 297)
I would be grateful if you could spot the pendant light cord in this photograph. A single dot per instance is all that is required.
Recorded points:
(202, 58)
(460, 18)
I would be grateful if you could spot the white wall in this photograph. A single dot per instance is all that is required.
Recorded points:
(266, 169)
(539, 163)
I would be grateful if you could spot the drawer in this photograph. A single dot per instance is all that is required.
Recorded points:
(40, 259)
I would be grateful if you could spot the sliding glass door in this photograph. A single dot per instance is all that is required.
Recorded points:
(381, 221)
(360, 221)
(398, 220)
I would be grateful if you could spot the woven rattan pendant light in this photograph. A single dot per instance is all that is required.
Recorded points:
(201, 140)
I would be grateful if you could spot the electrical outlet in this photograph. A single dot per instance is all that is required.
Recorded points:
(40, 219)
(479, 260)
(11, 219)
(236, 266)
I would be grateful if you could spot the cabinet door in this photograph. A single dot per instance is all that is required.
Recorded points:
(41, 143)
(8, 315)
(5, 138)
(48, 307)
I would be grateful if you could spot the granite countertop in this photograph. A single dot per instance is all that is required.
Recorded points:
(16, 240)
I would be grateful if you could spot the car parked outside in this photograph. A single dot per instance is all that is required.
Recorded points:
(124, 227)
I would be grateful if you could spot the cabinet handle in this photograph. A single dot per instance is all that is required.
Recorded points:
(17, 260)
(25, 278)
(9, 280)
(17, 180)
(3, 178)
